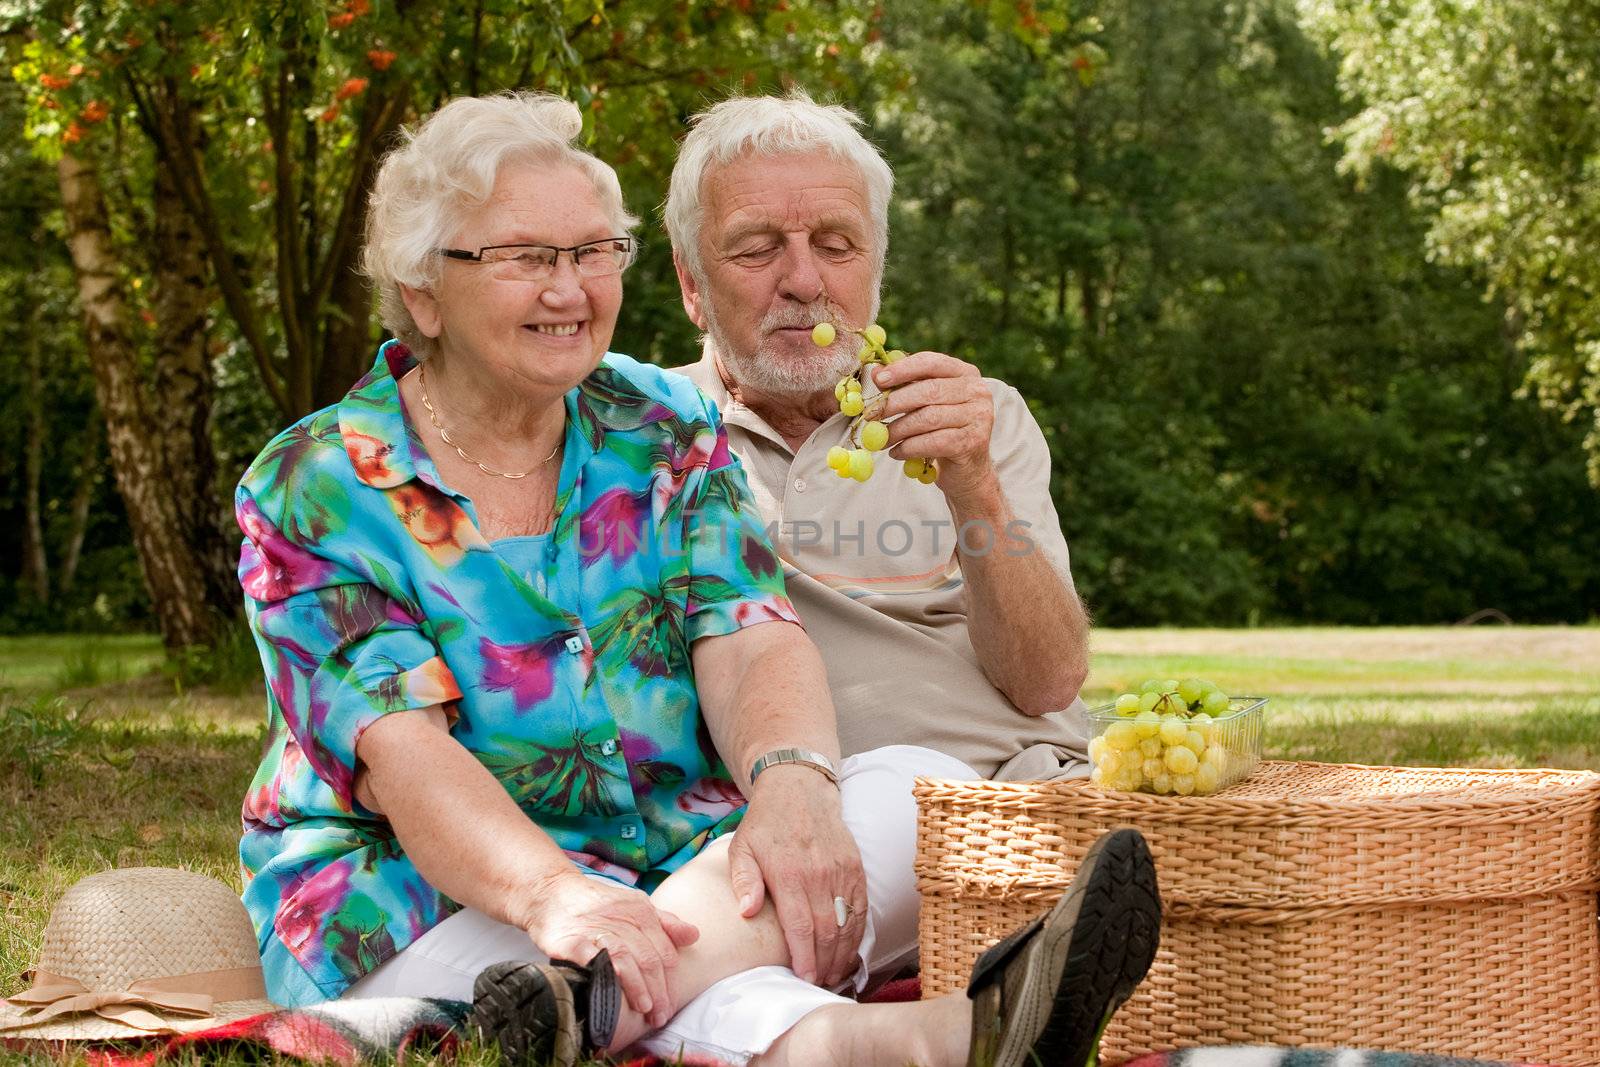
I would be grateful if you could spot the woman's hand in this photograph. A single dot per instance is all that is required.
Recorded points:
(573, 916)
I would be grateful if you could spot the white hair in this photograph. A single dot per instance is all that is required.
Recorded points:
(448, 164)
(767, 126)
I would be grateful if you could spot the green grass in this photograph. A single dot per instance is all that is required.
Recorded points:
(1482, 697)
(32, 665)
(106, 761)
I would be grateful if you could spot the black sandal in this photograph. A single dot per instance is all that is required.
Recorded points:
(546, 1014)
(1046, 993)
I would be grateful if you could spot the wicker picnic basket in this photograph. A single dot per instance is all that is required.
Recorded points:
(1450, 911)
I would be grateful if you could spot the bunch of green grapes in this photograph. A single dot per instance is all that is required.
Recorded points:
(1165, 740)
(867, 433)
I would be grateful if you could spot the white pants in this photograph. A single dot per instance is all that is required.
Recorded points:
(742, 1015)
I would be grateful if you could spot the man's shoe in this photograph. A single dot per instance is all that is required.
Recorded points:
(1044, 995)
(546, 1014)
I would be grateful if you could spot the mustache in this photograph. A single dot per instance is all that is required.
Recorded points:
(787, 318)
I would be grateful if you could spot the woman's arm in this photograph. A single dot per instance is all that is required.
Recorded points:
(472, 842)
(460, 827)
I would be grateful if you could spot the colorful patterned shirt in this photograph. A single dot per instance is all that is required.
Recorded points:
(371, 590)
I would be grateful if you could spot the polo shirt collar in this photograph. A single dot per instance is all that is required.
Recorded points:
(708, 376)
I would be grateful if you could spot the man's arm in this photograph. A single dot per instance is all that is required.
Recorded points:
(1027, 625)
(761, 688)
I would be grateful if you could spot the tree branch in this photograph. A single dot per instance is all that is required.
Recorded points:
(387, 119)
(283, 220)
(174, 150)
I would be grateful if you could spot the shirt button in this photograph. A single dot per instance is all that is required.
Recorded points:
(574, 644)
(630, 832)
(799, 485)
(608, 748)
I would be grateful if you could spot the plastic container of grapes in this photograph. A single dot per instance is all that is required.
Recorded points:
(1234, 737)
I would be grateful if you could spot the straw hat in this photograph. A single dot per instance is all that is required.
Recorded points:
(136, 952)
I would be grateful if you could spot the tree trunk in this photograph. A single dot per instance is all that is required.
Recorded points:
(82, 498)
(185, 388)
(347, 314)
(35, 564)
(175, 577)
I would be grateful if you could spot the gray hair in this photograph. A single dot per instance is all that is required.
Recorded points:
(770, 126)
(448, 164)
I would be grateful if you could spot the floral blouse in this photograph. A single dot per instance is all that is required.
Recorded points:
(370, 590)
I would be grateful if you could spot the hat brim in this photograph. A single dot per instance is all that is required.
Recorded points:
(86, 1026)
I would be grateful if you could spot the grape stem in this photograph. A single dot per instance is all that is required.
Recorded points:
(880, 398)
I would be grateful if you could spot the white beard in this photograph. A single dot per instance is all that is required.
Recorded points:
(770, 374)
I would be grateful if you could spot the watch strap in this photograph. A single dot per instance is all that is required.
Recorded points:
(815, 760)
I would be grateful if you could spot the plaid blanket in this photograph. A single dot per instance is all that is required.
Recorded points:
(348, 1033)
(343, 1033)
(1263, 1056)
(339, 1033)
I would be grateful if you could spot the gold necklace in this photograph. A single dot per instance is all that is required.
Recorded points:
(433, 417)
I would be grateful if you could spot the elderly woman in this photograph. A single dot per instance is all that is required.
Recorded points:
(528, 651)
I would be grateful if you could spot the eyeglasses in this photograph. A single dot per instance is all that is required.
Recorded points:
(536, 263)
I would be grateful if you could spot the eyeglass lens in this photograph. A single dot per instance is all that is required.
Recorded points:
(534, 262)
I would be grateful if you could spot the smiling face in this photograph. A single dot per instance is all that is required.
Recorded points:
(786, 241)
(534, 337)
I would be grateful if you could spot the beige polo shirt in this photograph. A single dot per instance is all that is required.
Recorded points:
(872, 569)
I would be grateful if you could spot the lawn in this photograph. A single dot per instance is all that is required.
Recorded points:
(105, 761)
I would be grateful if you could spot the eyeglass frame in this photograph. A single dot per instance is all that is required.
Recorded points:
(461, 255)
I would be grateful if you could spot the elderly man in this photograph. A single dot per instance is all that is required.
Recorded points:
(945, 613)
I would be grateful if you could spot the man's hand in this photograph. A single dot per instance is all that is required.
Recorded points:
(947, 414)
(572, 917)
(793, 845)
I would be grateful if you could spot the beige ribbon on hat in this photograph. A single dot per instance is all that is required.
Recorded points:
(189, 995)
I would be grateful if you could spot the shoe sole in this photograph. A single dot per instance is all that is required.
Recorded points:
(527, 1010)
(605, 1001)
(1093, 950)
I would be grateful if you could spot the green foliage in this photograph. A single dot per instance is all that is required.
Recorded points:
(230, 667)
(1263, 363)
(87, 664)
(1490, 109)
(270, 118)
(1262, 400)
(33, 736)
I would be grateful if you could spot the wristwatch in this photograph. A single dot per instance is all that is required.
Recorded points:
(815, 760)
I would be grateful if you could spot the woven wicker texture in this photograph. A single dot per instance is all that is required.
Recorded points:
(1447, 911)
(116, 928)
(119, 927)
